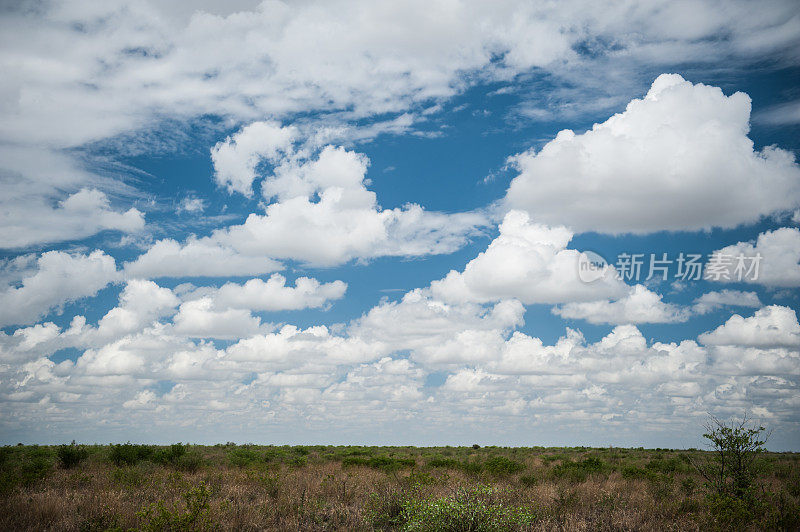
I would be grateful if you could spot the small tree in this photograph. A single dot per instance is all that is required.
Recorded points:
(71, 455)
(736, 446)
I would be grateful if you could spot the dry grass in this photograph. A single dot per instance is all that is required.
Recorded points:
(344, 488)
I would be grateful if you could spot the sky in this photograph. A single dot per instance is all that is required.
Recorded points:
(416, 223)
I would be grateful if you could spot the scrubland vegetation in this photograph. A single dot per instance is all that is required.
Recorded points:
(249, 487)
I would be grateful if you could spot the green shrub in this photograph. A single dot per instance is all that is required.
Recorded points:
(129, 454)
(782, 513)
(26, 468)
(385, 463)
(274, 454)
(71, 455)
(244, 456)
(736, 445)
(670, 465)
(500, 465)
(169, 455)
(688, 486)
(385, 508)
(444, 462)
(129, 477)
(190, 462)
(194, 516)
(528, 480)
(578, 471)
(298, 461)
(635, 472)
(730, 513)
(302, 450)
(468, 509)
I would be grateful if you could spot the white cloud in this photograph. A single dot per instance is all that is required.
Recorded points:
(281, 57)
(191, 205)
(81, 214)
(236, 158)
(140, 303)
(530, 262)
(199, 319)
(678, 159)
(321, 195)
(274, 295)
(350, 59)
(437, 332)
(36, 335)
(60, 277)
(315, 347)
(711, 301)
(356, 60)
(781, 114)
(772, 326)
(194, 258)
(492, 375)
(640, 305)
(779, 265)
(142, 398)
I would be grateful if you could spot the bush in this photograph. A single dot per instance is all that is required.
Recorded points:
(129, 454)
(71, 455)
(195, 515)
(171, 454)
(468, 509)
(578, 471)
(190, 462)
(35, 465)
(444, 462)
(130, 477)
(385, 508)
(244, 457)
(385, 463)
(735, 447)
(500, 465)
(635, 472)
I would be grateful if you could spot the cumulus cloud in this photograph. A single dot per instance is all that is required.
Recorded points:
(140, 303)
(377, 369)
(772, 326)
(436, 331)
(322, 196)
(205, 363)
(678, 159)
(200, 319)
(59, 278)
(773, 260)
(279, 59)
(196, 257)
(640, 305)
(236, 158)
(79, 215)
(711, 301)
(530, 262)
(273, 294)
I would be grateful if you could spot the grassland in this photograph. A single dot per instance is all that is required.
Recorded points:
(248, 487)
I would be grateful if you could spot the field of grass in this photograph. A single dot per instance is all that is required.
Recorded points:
(248, 487)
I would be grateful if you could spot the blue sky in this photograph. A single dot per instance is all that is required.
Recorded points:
(222, 223)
